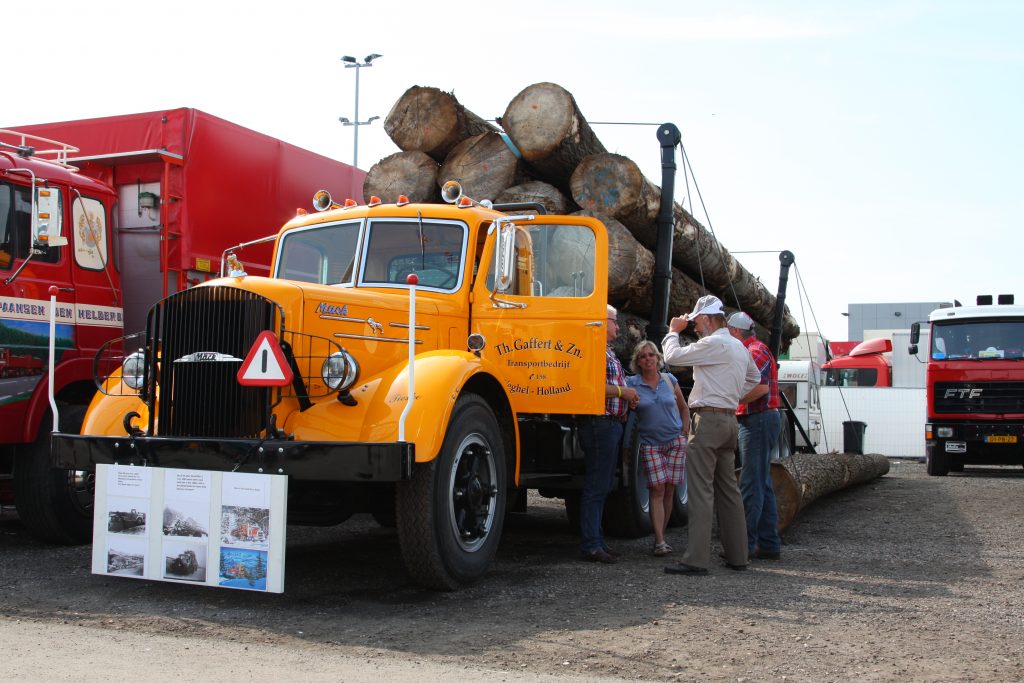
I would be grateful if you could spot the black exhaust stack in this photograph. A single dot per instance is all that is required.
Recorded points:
(657, 328)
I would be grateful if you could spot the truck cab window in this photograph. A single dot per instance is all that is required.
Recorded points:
(552, 261)
(16, 227)
(433, 250)
(323, 255)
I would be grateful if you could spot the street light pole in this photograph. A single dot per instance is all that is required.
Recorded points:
(353, 63)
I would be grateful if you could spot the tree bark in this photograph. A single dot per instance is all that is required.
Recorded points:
(484, 166)
(550, 132)
(802, 478)
(537, 191)
(413, 174)
(613, 185)
(431, 121)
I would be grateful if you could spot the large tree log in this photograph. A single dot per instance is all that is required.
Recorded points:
(550, 132)
(413, 174)
(802, 478)
(431, 121)
(539, 192)
(613, 184)
(484, 166)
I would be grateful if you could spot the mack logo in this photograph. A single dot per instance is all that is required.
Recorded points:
(963, 393)
(332, 309)
(208, 357)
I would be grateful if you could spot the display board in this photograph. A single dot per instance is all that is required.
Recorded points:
(224, 529)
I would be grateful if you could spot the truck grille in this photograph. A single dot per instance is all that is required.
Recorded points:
(979, 397)
(202, 398)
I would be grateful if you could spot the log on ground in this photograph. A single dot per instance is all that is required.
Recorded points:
(413, 174)
(802, 478)
(432, 121)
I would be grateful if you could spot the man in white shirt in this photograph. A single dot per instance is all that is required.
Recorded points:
(723, 371)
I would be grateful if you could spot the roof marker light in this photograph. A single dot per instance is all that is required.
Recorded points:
(374, 200)
(299, 211)
(465, 202)
(349, 203)
(402, 200)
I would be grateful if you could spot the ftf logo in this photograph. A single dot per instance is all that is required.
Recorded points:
(967, 393)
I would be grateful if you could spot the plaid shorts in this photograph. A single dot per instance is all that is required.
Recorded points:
(665, 463)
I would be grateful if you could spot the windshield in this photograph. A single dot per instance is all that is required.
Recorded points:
(431, 249)
(989, 339)
(322, 254)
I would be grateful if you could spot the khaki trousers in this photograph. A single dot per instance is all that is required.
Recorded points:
(712, 487)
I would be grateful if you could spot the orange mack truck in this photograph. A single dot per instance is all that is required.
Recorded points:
(424, 362)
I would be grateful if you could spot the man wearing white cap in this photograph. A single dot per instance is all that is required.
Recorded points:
(760, 423)
(723, 372)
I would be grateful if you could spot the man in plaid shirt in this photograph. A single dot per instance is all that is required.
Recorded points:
(760, 423)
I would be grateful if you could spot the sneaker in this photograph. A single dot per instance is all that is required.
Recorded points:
(662, 549)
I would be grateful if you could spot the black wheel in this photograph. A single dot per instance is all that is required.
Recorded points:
(55, 505)
(572, 510)
(450, 515)
(680, 515)
(956, 467)
(938, 463)
(627, 514)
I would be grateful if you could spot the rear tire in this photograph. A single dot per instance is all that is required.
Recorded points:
(627, 513)
(55, 505)
(451, 513)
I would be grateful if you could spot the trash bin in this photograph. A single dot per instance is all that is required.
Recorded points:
(853, 437)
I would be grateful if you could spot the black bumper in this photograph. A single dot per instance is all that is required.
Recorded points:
(300, 460)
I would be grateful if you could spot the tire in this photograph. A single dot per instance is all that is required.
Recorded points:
(956, 467)
(54, 505)
(451, 513)
(680, 514)
(627, 513)
(938, 463)
(572, 511)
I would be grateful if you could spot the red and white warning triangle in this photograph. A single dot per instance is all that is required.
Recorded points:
(265, 366)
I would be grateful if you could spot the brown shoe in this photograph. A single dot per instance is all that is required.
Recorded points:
(598, 555)
(766, 555)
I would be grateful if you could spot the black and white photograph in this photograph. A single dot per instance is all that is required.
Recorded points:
(126, 556)
(186, 519)
(126, 516)
(184, 561)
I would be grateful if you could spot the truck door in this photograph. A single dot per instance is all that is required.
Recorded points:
(99, 312)
(545, 321)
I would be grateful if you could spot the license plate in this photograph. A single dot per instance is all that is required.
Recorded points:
(956, 446)
(1000, 439)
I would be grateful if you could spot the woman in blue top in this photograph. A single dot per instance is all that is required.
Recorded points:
(664, 420)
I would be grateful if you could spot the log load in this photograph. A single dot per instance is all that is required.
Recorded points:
(432, 121)
(550, 132)
(613, 184)
(802, 478)
(484, 166)
(537, 191)
(413, 174)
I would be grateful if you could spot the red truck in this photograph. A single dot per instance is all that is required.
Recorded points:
(124, 211)
(12, 365)
(868, 364)
(975, 382)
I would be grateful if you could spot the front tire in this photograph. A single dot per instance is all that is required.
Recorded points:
(451, 513)
(938, 463)
(55, 505)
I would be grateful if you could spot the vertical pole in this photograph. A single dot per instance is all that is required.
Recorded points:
(413, 280)
(53, 337)
(657, 328)
(775, 341)
(355, 124)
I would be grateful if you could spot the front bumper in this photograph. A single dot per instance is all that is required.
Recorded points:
(300, 460)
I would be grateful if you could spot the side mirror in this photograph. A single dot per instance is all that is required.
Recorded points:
(46, 219)
(504, 256)
(915, 333)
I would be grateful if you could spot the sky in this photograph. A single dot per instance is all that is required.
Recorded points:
(880, 141)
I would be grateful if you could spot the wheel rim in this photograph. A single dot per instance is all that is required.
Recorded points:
(643, 494)
(472, 482)
(82, 491)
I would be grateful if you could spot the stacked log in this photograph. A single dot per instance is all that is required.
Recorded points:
(802, 478)
(549, 154)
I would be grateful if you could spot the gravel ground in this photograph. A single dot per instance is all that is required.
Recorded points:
(909, 578)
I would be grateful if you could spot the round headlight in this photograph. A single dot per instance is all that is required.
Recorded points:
(340, 370)
(133, 370)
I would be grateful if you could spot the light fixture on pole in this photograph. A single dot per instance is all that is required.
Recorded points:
(353, 63)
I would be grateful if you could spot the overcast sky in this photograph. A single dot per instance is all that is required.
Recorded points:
(879, 141)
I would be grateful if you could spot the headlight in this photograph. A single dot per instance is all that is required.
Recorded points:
(133, 370)
(944, 432)
(340, 370)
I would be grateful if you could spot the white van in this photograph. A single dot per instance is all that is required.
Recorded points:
(798, 381)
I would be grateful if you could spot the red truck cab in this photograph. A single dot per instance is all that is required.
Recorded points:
(869, 364)
(975, 380)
